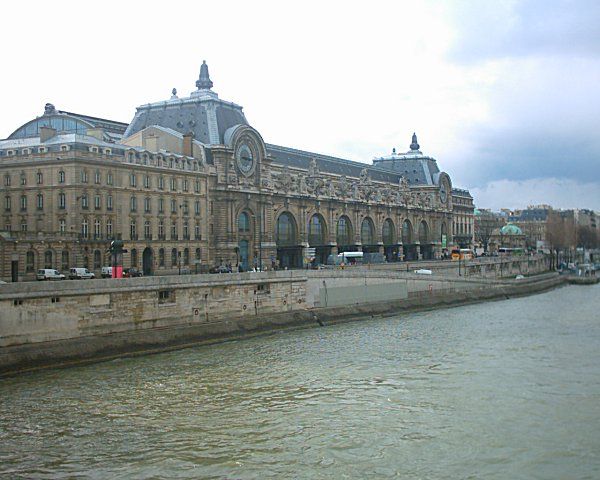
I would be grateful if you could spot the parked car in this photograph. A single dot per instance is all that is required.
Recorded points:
(132, 272)
(49, 274)
(81, 274)
(106, 272)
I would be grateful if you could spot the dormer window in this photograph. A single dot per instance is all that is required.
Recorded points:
(107, 151)
(26, 151)
(10, 153)
(130, 157)
(42, 149)
(93, 149)
(64, 148)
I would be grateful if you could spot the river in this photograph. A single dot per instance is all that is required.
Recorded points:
(498, 390)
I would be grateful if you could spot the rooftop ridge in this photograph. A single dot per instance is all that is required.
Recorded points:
(333, 159)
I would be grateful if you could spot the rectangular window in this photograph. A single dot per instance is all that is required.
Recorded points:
(97, 202)
(40, 202)
(84, 201)
(166, 296)
(146, 181)
(97, 177)
(161, 205)
(62, 225)
(109, 178)
(197, 186)
(109, 202)
(197, 232)
(7, 204)
(161, 183)
(23, 202)
(24, 226)
(109, 230)
(173, 184)
(132, 180)
(62, 201)
(185, 184)
(133, 204)
(147, 205)
(197, 207)
(173, 206)
(7, 180)
(84, 176)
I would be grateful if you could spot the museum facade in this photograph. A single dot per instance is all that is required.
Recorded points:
(189, 185)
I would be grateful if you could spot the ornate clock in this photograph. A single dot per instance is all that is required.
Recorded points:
(245, 159)
(443, 192)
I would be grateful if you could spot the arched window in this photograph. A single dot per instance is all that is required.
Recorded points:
(423, 233)
(174, 257)
(40, 201)
(316, 230)
(61, 177)
(286, 230)
(186, 256)
(134, 257)
(407, 232)
(29, 261)
(244, 222)
(161, 257)
(344, 231)
(97, 259)
(388, 232)
(48, 259)
(366, 231)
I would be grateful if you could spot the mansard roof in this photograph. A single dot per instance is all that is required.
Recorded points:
(417, 168)
(202, 113)
(68, 122)
(327, 164)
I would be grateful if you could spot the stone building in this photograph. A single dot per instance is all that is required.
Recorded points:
(189, 184)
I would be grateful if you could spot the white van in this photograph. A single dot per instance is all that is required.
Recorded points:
(49, 274)
(80, 274)
(106, 272)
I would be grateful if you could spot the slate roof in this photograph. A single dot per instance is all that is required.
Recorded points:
(339, 166)
(202, 113)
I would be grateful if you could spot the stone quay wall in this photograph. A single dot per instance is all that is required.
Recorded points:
(60, 323)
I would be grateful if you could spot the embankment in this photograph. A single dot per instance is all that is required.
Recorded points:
(65, 323)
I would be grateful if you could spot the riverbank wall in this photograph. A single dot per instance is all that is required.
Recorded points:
(61, 323)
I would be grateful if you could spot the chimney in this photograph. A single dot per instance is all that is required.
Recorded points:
(188, 150)
(46, 133)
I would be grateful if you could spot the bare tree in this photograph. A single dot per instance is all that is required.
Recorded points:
(560, 234)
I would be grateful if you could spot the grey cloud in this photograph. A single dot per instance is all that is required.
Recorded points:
(492, 30)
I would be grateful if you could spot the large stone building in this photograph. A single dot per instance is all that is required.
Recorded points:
(189, 184)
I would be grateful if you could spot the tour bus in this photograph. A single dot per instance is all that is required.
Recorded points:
(462, 254)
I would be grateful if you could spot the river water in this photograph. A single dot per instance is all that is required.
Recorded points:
(498, 390)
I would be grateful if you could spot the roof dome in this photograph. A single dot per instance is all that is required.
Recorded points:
(511, 229)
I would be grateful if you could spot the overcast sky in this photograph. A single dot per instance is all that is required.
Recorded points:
(505, 95)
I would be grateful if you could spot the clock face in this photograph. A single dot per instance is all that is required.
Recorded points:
(245, 159)
(443, 192)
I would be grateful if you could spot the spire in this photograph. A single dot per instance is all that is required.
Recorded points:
(204, 82)
(414, 145)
